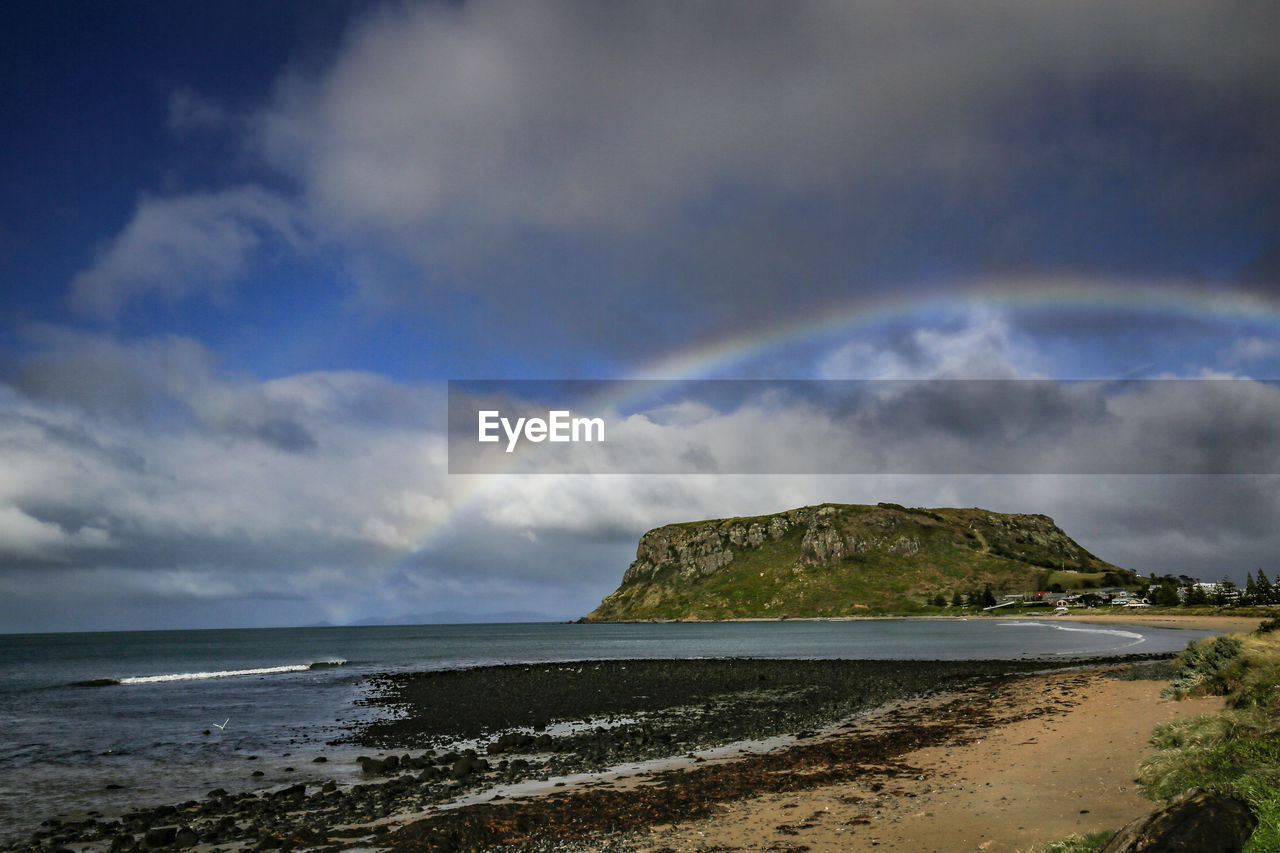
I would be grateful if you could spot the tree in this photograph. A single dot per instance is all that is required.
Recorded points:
(1250, 589)
(1166, 595)
(1196, 595)
(956, 600)
(939, 601)
(988, 597)
(1266, 591)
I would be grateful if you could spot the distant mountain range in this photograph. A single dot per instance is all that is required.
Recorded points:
(453, 617)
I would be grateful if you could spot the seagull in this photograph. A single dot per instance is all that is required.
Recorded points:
(223, 725)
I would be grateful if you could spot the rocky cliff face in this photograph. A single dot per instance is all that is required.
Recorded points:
(837, 559)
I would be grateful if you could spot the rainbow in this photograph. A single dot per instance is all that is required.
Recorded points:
(718, 358)
(1232, 309)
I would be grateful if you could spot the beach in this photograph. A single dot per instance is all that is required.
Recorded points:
(1218, 624)
(1056, 759)
(823, 754)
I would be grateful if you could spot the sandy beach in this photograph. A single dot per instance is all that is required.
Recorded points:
(1220, 624)
(1057, 759)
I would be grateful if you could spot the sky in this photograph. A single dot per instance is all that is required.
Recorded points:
(245, 246)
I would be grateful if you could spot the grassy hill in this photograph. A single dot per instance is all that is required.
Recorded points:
(844, 559)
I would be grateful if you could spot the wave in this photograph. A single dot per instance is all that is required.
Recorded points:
(222, 673)
(1117, 632)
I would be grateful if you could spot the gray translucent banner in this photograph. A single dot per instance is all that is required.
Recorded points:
(864, 427)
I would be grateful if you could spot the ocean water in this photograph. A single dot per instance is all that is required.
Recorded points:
(110, 721)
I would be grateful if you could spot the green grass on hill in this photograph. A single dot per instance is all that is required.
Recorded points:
(896, 560)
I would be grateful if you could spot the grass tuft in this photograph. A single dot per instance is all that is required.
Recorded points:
(1087, 843)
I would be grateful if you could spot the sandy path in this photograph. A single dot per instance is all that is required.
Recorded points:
(1023, 783)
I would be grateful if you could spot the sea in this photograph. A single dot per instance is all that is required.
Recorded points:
(102, 723)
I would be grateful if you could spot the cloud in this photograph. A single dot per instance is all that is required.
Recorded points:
(182, 246)
(23, 538)
(562, 115)
(154, 500)
(705, 159)
(982, 345)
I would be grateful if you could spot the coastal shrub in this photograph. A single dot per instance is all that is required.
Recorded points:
(1235, 752)
(1202, 665)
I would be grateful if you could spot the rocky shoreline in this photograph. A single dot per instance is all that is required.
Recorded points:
(459, 734)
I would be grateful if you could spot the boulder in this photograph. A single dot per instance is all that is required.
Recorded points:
(1195, 822)
(160, 836)
(371, 766)
(292, 794)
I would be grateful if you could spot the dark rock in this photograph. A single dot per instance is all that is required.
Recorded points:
(294, 793)
(160, 836)
(467, 766)
(509, 742)
(319, 759)
(371, 766)
(186, 837)
(1194, 822)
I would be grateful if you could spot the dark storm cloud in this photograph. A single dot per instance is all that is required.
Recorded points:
(710, 157)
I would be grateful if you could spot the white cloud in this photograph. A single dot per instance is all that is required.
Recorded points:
(114, 508)
(25, 538)
(1251, 350)
(183, 246)
(982, 346)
